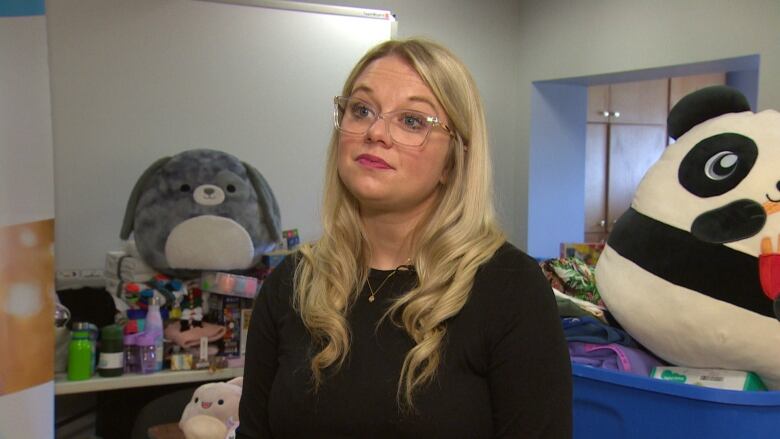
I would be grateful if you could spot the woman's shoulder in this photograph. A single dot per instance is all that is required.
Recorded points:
(510, 275)
(510, 258)
(279, 284)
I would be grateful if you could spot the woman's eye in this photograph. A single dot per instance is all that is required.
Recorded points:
(230, 188)
(185, 188)
(361, 111)
(413, 122)
(196, 399)
(221, 401)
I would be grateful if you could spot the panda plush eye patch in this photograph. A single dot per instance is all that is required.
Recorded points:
(717, 164)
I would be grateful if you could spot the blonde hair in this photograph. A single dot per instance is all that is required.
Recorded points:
(459, 234)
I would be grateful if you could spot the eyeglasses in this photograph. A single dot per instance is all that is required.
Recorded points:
(405, 127)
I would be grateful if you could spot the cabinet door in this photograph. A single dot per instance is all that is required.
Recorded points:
(682, 85)
(598, 103)
(632, 150)
(641, 102)
(596, 182)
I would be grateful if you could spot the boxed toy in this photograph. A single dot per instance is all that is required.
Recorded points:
(715, 378)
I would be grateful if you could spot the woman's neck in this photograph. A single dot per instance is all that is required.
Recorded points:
(390, 237)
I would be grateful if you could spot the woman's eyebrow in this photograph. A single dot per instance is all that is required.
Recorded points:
(415, 98)
(363, 88)
(423, 99)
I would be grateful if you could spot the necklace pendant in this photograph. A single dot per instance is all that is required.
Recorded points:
(371, 299)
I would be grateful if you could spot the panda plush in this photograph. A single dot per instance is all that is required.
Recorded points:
(691, 269)
(199, 210)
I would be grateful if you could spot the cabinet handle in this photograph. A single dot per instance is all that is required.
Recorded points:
(604, 113)
(615, 114)
(603, 223)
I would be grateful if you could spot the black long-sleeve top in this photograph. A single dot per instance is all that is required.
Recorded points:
(505, 370)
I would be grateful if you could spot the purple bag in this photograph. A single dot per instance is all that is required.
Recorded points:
(613, 356)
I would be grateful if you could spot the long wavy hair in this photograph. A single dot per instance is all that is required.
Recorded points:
(459, 234)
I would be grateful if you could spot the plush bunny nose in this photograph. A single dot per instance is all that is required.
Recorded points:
(205, 404)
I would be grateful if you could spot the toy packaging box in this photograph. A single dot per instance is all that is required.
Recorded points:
(226, 311)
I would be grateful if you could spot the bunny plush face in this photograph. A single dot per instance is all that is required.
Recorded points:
(217, 400)
(692, 269)
(202, 210)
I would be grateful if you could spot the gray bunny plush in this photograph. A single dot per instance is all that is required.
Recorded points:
(202, 210)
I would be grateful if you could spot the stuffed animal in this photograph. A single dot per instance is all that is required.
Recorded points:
(680, 271)
(212, 413)
(202, 210)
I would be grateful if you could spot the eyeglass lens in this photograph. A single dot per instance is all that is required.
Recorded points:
(407, 127)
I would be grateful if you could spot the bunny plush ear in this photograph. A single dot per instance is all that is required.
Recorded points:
(238, 381)
(269, 209)
(132, 202)
(704, 104)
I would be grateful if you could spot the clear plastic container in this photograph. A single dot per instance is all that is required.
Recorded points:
(132, 354)
(147, 349)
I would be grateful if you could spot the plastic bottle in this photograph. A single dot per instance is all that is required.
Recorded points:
(154, 326)
(79, 355)
(148, 352)
(132, 354)
(111, 362)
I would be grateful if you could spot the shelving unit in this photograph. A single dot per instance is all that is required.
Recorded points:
(97, 383)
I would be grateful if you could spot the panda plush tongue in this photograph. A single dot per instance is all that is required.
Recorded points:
(769, 270)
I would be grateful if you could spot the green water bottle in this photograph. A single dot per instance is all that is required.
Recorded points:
(111, 362)
(80, 356)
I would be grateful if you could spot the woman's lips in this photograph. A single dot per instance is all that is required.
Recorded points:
(372, 161)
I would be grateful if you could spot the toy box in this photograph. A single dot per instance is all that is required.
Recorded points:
(588, 252)
(230, 284)
(615, 405)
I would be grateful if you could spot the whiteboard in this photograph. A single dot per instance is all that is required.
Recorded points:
(136, 80)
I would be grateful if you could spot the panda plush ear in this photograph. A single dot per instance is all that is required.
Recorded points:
(704, 104)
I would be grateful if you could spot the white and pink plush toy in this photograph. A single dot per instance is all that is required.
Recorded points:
(212, 413)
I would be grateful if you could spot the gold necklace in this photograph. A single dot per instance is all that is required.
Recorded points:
(374, 292)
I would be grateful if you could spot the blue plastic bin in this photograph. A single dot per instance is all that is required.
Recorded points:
(615, 405)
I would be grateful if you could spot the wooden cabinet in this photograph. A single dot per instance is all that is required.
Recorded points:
(682, 85)
(643, 102)
(626, 134)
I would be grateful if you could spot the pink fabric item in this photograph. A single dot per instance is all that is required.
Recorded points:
(191, 337)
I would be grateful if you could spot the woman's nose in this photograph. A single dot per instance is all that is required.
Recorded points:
(378, 131)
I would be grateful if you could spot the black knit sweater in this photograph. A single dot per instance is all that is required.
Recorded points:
(505, 369)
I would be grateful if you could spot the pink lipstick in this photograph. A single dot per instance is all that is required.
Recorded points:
(372, 161)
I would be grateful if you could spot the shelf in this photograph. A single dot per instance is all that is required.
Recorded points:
(97, 383)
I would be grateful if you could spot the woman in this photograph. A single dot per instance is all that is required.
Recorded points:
(411, 316)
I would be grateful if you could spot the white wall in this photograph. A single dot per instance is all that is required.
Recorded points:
(134, 81)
